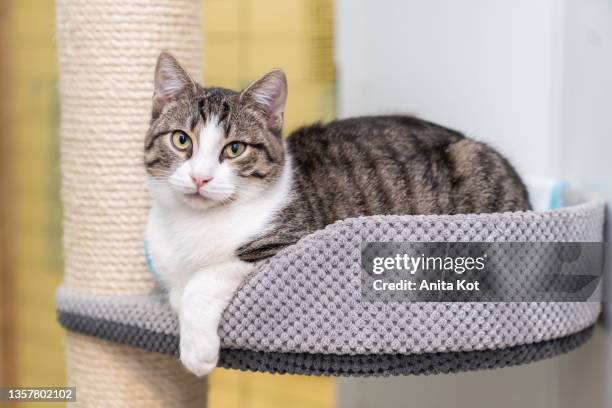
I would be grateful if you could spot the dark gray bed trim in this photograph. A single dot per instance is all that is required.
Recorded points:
(333, 364)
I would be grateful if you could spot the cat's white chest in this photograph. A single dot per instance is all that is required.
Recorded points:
(184, 242)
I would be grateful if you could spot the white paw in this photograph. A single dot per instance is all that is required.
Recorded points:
(199, 349)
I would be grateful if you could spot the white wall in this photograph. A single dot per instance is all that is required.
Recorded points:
(484, 67)
(531, 77)
(545, 384)
(586, 108)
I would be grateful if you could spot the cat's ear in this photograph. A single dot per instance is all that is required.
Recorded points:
(269, 95)
(170, 80)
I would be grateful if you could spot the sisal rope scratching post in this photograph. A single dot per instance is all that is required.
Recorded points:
(107, 54)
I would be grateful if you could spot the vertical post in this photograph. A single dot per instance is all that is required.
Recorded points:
(107, 54)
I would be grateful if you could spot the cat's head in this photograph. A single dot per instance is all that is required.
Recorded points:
(208, 147)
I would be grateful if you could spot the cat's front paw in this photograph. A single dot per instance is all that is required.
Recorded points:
(199, 349)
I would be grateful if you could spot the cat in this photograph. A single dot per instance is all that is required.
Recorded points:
(227, 190)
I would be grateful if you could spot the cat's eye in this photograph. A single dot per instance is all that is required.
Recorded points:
(180, 140)
(234, 149)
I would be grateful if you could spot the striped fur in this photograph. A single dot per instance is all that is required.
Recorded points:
(387, 165)
(347, 168)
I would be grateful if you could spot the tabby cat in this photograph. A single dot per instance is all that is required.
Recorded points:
(228, 191)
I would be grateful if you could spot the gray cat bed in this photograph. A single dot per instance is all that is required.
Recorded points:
(302, 312)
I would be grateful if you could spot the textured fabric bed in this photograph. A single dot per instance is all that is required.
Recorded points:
(301, 312)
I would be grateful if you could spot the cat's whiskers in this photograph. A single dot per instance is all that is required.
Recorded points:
(181, 185)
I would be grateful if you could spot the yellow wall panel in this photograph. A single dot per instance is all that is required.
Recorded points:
(295, 35)
(286, 53)
(222, 16)
(34, 160)
(225, 63)
(250, 390)
(280, 16)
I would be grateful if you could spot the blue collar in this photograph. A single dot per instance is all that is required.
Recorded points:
(149, 261)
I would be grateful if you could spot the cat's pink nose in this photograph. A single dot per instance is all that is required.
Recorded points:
(200, 181)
